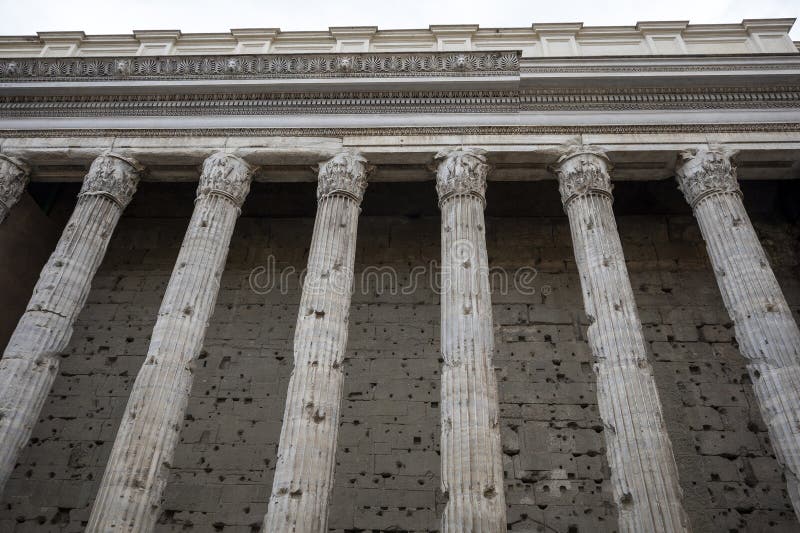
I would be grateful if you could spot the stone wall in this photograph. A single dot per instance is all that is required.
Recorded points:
(387, 461)
(26, 241)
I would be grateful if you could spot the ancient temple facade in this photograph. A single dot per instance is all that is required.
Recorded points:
(459, 279)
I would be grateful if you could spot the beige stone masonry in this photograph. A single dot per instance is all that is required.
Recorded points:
(644, 475)
(303, 479)
(130, 493)
(472, 468)
(767, 333)
(30, 362)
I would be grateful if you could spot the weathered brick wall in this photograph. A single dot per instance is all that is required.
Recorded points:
(387, 472)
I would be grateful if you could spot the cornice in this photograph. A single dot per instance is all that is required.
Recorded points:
(673, 63)
(356, 102)
(754, 127)
(576, 99)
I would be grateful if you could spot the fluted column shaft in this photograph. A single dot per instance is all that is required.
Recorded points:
(306, 452)
(767, 333)
(130, 494)
(644, 475)
(30, 362)
(13, 180)
(472, 469)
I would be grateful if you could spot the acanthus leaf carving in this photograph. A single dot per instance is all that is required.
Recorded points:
(13, 180)
(582, 170)
(114, 176)
(226, 175)
(704, 171)
(462, 170)
(347, 173)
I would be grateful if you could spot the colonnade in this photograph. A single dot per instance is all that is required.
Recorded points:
(643, 471)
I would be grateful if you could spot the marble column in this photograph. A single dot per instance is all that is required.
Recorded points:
(472, 468)
(130, 495)
(767, 333)
(306, 453)
(644, 475)
(30, 363)
(13, 180)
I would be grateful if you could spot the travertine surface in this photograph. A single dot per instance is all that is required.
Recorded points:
(643, 470)
(303, 481)
(130, 495)
(767, 333)
(30, 362)
(13, 179)
(472, 469)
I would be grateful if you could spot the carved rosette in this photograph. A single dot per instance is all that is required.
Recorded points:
(706, 171)
(345, 173)
(113, 176)
(461, 171)
(225, 175)
(13, 179)
(583, 170)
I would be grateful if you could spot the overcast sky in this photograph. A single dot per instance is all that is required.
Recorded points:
(26, 17)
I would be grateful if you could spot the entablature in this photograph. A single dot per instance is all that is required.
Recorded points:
(403, 154)
(342, 73)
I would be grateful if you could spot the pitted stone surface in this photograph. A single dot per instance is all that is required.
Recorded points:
(766, 331)
(305, 467)
(644, 473)
(129, 498)
(13, 180)
(30, 361)
(387, 471)
(472, 470)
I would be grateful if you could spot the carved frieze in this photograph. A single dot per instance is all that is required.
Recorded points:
(582, 170)
(13, 180)
(113, 176)
(226, 175)
(461, 171)
(706, 171)
(260, 66)
(347, 173)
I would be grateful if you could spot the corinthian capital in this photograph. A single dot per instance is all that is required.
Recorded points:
(706, 171)
(582, 170)
(461, 171)
(113, 176)
(225, 175)
(13, 179)
(345, 173)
